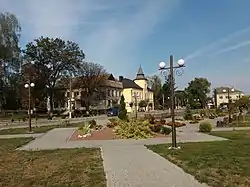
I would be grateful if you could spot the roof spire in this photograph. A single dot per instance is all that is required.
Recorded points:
(140, 74)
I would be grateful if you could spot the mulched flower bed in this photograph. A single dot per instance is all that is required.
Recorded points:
(104, 134)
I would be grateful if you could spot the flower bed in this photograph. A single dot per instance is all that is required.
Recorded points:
(117, 129)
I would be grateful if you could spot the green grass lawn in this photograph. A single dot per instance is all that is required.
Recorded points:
(64, 167)
(222, 163)
(37, 129)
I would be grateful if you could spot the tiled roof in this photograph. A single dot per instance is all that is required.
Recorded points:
(127, 83)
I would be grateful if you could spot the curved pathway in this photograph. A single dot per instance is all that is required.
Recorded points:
(128, 163)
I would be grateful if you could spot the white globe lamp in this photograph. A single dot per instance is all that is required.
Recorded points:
(32, 84)
(181, 62)
(26, 85)
(162, 65)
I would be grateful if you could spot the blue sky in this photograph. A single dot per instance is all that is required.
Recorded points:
(212, 36)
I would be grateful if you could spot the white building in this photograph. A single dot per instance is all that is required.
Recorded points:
(223, 94)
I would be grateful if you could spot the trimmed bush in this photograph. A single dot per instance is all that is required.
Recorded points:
(205, 127)
(166, 130)
(134, 129)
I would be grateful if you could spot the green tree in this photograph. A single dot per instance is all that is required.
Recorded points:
(154, 83)
(91, 77)
(243, 103)
(197, 91)
(9, 60)
(54, 59)
(123, 112)
(143, 104)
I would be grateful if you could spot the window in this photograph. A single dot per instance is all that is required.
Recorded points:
(226, 97)
(221, 97)
(108, 92)
(67, 94)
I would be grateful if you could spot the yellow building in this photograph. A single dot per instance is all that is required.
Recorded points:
(137, 90)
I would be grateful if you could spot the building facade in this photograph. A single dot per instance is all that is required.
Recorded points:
(133, 91)
(221, 95)
(137, 90)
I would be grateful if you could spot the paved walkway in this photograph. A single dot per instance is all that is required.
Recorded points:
(128, 163)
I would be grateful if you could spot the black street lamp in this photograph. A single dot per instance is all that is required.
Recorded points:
(168, 73)
(29, 85)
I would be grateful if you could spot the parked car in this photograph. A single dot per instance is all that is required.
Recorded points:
(113, 111)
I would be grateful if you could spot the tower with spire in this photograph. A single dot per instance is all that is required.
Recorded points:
(140, 75)
(142, 81)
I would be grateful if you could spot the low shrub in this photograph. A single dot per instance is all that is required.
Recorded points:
(134, 129)
(205, 127)
(162, 121)
(113, 123)
(92, 123)
(85, 129)
(166, 130)
(177, 124)
(194, 122)
(150, 118)
(156, 127)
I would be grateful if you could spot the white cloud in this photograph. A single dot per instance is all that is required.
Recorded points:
(233, 47)
(215, 44)
(108, 31)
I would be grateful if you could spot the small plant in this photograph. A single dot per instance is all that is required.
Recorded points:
(92, 123)
(85, 129)
(194, 122)
(188, 113)
(123, 112)
(205, 127)
(166, 130)
(65, 123)
(156, 127)
(162, 121)
(150, 118)
(113, 123)
(177, 124)
(98, 127)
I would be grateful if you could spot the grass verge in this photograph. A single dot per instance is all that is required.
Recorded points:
(222, 163)
(37, 129)
(64, 167)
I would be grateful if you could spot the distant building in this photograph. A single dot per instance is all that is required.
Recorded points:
(133, 91)
(221, 95)
(136, 90)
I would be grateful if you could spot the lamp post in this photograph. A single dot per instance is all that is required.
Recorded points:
(228, 90)
(169, 72)
(29, 85)
(136, 104)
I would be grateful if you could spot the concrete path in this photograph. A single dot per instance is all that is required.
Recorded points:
(7, 136)
(136, 166)
(128, 163)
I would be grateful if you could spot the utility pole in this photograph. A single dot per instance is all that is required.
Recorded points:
(70, 98)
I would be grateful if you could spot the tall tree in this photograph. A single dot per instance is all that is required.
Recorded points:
(9, 58)
(197, 91)
(154, 83)
(54, 59)
(91, 78)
